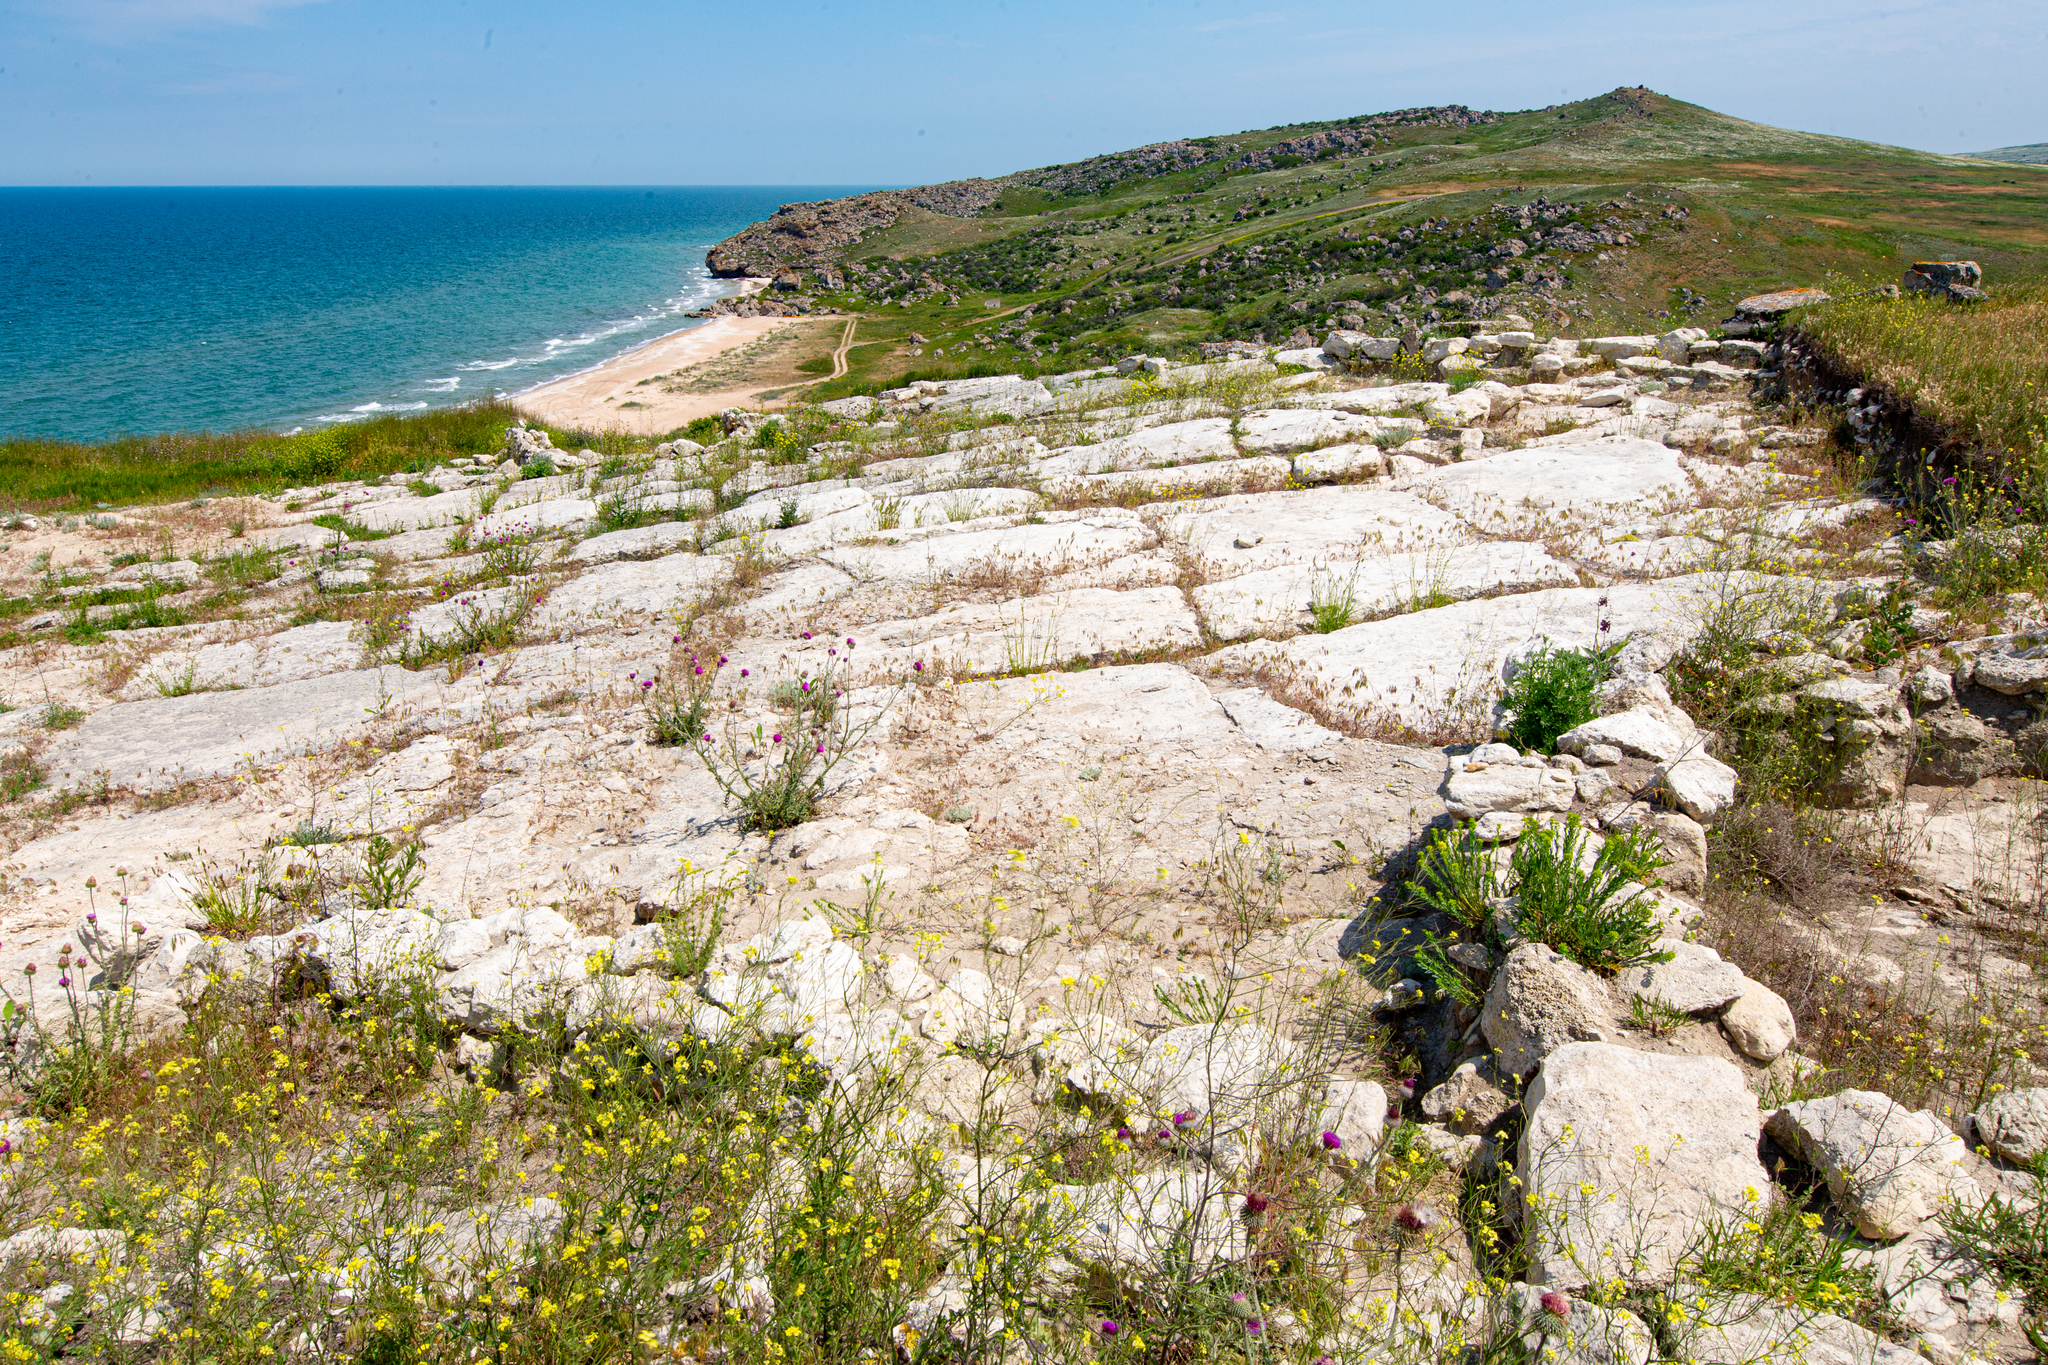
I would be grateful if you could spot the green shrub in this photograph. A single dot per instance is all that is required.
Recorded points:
(1551, 693)
(1458, 875)
(2009, 1238)
(1572, 904)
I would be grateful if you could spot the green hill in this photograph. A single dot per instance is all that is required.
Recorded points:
(2033, 153)
(1616, 213)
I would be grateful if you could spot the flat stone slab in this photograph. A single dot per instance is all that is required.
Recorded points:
(1274, 726)
(1558, 487)
(308, 651)
(220, 732)
(1249, 531)
(1029, 634)
(1438, 670)
(637, 542)
(997, 555)
(412, 514)
(628, 588)
(1279, 600)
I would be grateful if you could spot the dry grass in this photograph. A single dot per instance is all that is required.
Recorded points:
(1980, 370)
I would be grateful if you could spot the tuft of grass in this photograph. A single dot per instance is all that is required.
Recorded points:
(61, 716)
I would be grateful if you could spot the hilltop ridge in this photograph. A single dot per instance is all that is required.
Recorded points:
(1651, 211)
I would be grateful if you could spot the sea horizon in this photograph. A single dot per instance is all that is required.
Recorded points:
(150, 309)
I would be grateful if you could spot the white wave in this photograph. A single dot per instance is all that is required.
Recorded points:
(448, 385)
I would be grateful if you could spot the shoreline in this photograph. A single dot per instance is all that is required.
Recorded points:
(594, 399)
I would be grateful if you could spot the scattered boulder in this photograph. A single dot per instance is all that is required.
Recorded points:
(2014, 1125)
(1695, 981)
(1759, 1023)
(1541, 1001)
(1698, 784)
(1954, 281)
(1627, 1155)
(1469, 1100)
(1890, 1168)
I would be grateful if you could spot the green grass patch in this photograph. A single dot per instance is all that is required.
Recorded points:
(146, 469)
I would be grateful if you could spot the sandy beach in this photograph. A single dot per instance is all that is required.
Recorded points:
(616, 395)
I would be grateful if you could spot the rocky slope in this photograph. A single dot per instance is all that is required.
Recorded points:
(1144, 685)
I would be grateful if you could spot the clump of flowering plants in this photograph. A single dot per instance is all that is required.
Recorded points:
(776, 772)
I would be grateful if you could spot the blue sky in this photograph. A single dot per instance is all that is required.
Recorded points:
(635, 92)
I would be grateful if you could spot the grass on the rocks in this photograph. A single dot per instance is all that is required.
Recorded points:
(38, 474)
(1979, 370)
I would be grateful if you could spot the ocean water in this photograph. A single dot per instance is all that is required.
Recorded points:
(145, 310)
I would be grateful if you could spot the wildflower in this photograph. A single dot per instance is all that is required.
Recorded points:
(778, 739)
(1243, 1307)
(1256, 1202)
(30, 969)
(1415, 1217)
(849, 642)
(721, 658)
(917, 665)
(1183, 1118)
(1123, 1135)
(700, 670)
(1557, 1305)
(1255, 1327)
(743, 673)
(1331, 1142)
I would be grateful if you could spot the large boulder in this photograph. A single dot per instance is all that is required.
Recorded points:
(1639, 731)
(1890, 1168)
(1541, 1001)
(1478, 788)
(1626, 1156)
(1859, 735)
(2014, 1125)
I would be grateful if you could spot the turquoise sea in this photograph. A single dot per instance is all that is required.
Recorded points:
(145, 310)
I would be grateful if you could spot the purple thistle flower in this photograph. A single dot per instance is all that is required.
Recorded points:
(1331, 1142)
(1109, 1327)
(1256, 1202)
(1415, 1217)
(778, 738)
(1123, 1135)
(1242, 1306)
(743, 673)
(917, 666)
(849, 642)
(1255, 1327)
(63, 981)
(1556, 1304)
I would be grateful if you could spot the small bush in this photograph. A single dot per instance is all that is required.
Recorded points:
(1573, 905)
(1551, 693)
(1458, 875)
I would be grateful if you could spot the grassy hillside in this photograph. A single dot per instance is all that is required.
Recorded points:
(1654, 212)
